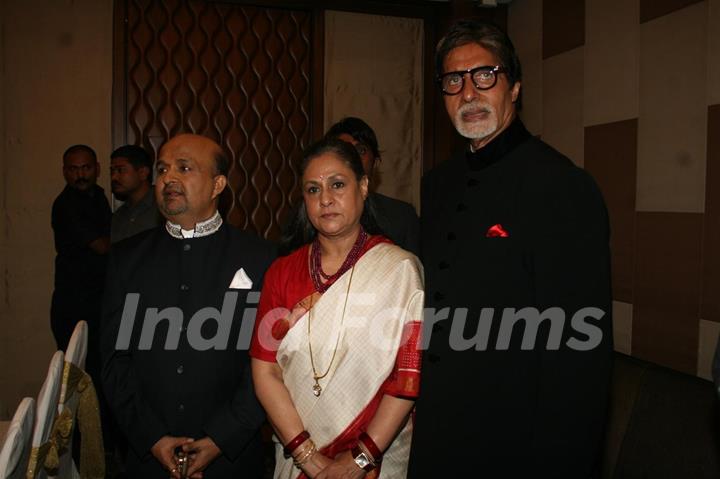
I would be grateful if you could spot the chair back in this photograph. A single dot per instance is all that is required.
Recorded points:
(45, 415)
(15, 451)
(76, 353)
(69, 398)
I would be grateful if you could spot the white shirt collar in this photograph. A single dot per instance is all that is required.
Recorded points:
(203, 228)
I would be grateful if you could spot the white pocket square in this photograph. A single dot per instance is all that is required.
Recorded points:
(241, 280)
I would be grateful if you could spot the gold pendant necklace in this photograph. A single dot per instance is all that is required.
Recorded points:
(317, 389)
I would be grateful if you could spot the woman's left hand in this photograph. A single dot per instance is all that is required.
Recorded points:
(343, 467)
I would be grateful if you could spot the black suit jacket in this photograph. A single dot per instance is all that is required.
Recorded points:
(196, 387)
(398, 220)
(78, 218)
(510, 410)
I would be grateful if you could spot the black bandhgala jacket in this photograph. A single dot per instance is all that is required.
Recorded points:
(185, 391)
(520, 226)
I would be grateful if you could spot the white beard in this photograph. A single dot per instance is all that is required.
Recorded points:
(475, 130)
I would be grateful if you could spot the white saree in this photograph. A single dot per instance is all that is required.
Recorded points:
(385, 294)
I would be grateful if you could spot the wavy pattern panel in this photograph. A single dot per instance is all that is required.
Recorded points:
(238, 74)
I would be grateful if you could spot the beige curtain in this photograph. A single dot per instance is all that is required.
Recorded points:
(373, 70)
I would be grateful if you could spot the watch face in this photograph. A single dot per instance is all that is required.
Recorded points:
(362, 460)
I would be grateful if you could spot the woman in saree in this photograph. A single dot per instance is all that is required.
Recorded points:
(336, 348)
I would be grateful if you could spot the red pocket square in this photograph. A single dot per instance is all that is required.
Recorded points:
(496, 231)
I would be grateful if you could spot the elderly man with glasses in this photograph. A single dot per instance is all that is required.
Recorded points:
(515, 246)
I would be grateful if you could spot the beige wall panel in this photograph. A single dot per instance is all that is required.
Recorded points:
(374, 70)
(563, 104)
(525, 30)
(713, 60)
(57, 65)
(612, 43)
(622, 327)
(707, 340)
(673, 112)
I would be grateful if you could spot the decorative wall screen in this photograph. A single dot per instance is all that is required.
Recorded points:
(236, 73)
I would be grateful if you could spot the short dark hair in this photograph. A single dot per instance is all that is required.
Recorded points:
(222, 162)
(80, 148)
(136, 155)
(299, 230)
(488, 36)
(358, 129)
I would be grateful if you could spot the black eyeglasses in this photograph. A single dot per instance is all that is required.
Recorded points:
(484, 78)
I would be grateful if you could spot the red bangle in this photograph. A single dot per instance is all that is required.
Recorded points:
(295, 442)
(370, 445)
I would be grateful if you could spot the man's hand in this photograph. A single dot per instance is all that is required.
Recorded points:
(202, 452)
(100, 245)
(343, 467)
(164, 452)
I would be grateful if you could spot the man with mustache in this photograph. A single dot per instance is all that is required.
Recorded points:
(131, 182)
(173, 371)
(81, 227)
(509, 225)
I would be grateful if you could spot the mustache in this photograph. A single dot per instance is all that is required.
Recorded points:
(173, 189)
(474, 107)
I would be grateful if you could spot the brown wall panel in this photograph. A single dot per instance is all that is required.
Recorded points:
(563, 26)
(668, 275)
(236, 73)
(610, 156)
(710, 308)
(651, 9)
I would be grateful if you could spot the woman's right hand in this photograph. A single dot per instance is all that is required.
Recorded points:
(343, 467)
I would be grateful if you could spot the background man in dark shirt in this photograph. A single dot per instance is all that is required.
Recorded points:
(81, 225)
(396, 218)
(131, 182)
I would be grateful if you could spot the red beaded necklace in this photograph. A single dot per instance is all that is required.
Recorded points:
(316, 272)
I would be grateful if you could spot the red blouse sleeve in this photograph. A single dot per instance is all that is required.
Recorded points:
(404, 380)
(270, 310)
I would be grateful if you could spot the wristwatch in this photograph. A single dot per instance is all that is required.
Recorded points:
(362, 459)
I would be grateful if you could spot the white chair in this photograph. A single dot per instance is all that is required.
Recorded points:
(15, 451)
(77, 388)
(46, 410)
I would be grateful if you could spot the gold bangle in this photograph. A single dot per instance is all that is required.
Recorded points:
(301, 462)
(303, 458)
(302, 448)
